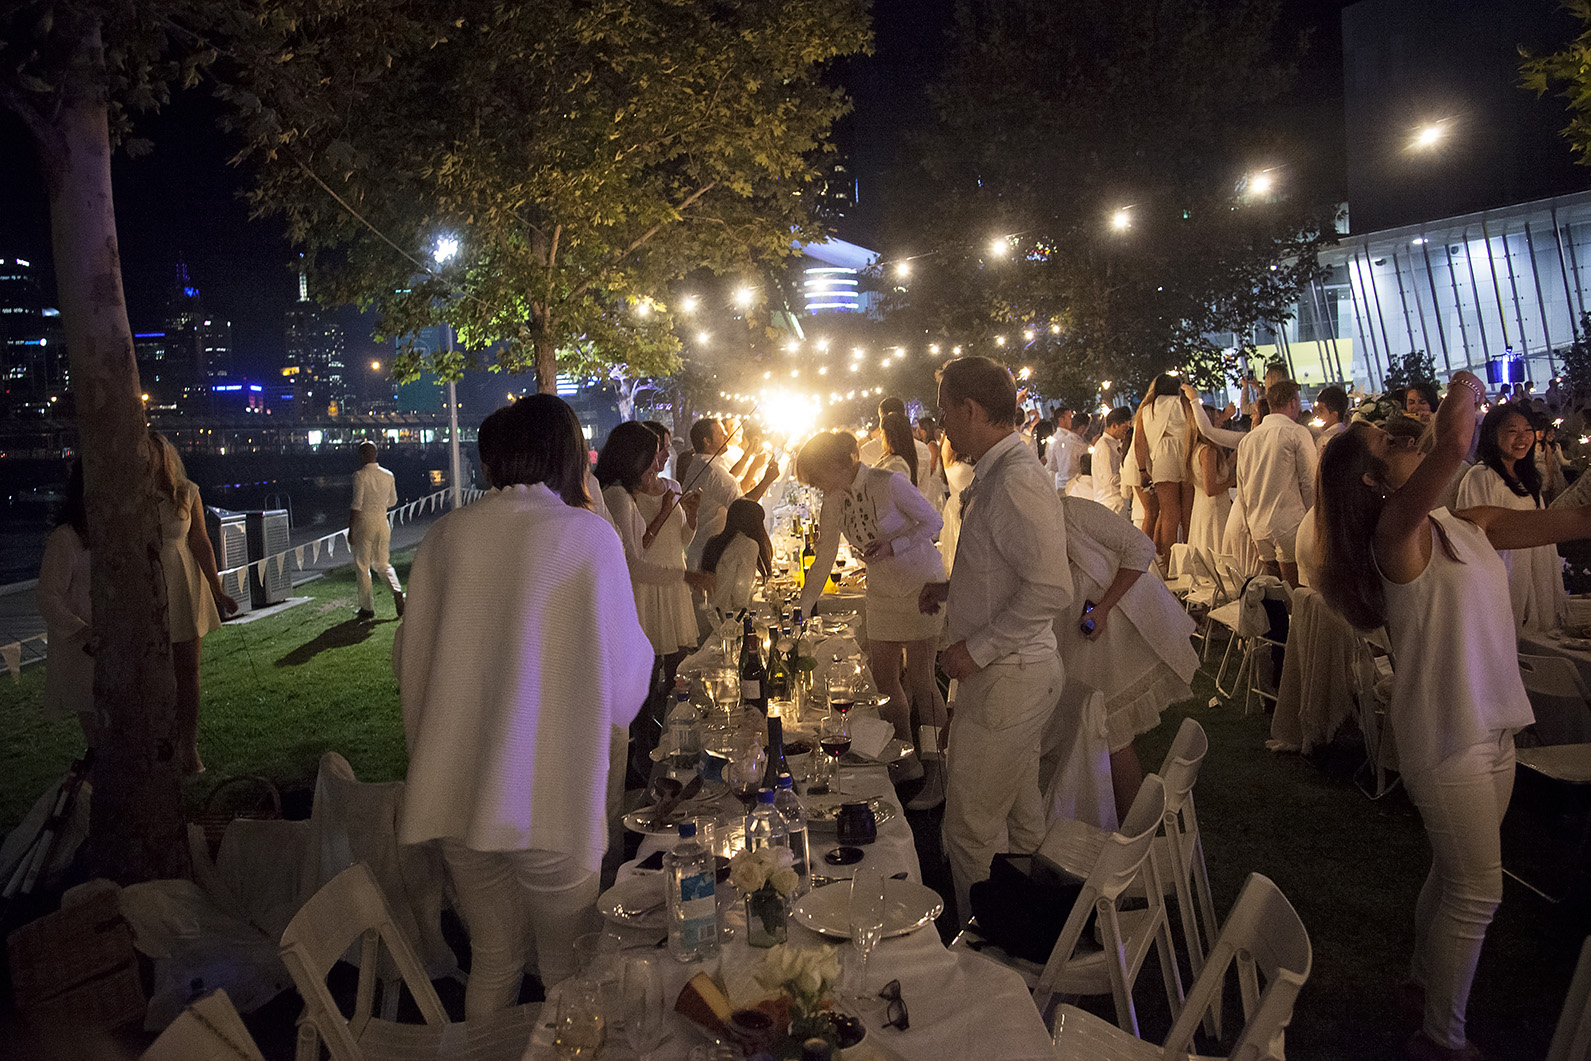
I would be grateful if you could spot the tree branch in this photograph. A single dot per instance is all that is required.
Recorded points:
(643, 237)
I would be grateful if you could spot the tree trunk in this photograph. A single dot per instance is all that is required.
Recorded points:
(137, 831)
(546, 366)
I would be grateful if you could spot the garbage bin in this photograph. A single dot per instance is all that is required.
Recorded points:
(268, 535)
(229, 539)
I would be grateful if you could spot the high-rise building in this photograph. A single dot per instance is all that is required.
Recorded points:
(177, 363)
(316, 357)
(34, 374)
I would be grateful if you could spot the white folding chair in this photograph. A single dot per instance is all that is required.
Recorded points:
(1571, 1040)
(208, 1030)
(1373, 668)
(1180, 847)
(350, 907)
(1557, 697)
(1109, 862)
(1266, 940)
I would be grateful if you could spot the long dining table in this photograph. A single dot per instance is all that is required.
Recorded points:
(959, 1003)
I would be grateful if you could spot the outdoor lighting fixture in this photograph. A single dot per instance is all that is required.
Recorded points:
(375, 366)
(823, 371)
(1028, 334)
(1026, 373)
(446, 248)
(855, 366)
(1105, 385)
(1428, 136)
(702, 337)
(1121, 220)
(933, 348)
(999, 246)
(1055, 329)
(688, 303)
(767, 375)
(1261, 183)
(1418, 241)
(999, 340)
(956, 350)
(642, 308)
(823, 344)
(743, 296)
(903, 269)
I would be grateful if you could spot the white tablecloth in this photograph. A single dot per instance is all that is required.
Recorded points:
(961, 1005)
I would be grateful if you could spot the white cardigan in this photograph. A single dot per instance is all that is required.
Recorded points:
(518, 652)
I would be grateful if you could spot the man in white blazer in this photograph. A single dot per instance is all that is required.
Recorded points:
(369, 533)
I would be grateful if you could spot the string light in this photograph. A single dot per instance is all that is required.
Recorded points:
(689, 303)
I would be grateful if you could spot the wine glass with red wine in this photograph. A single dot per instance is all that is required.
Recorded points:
(834, 737)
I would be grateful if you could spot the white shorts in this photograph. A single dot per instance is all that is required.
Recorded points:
(1168, 463)
(1279, 547)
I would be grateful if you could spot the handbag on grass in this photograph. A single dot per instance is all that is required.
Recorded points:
(1024, 904)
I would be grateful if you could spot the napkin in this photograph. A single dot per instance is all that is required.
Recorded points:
(869, 735)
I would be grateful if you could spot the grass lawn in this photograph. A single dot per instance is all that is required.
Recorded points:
(282, 690)
(278, 692)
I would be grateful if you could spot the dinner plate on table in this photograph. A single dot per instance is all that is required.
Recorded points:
(908, 906)
(894, 751)
(705, 804)
(636, 903)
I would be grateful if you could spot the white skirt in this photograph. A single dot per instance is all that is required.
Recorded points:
(893, 617)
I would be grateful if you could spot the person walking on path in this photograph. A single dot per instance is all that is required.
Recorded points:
(369, 534)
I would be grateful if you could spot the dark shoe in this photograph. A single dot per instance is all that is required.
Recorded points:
(397, 602)
(364, 615)
(1420, 1048)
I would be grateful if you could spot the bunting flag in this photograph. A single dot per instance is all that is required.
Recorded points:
(13, 658)
(314, 551)
(259, 569)
(298, 557)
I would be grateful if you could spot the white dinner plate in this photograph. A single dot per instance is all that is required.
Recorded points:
(894, 751)
(636, 903)
(907, 907)
(823, 810)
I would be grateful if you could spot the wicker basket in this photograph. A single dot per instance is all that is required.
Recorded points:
(262, 803)
(77, 966)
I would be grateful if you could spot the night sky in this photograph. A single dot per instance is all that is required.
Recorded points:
(182, 201)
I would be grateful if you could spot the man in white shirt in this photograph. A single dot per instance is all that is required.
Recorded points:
(1010, 580)
(1276, 480)
(369, 534)
(1108, 488)
(872, 450)
(719, 487)
(1331, 407)
(1066, 447)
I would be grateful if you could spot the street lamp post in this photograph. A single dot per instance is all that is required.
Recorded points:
(446, 248)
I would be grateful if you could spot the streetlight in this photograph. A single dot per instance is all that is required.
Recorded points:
(1121, 220)
(999, 246)
(375, 366)
(447, 247)
(903, 269)
(743, 297)
(1260, 183)
(1428, 136)
(702, 337)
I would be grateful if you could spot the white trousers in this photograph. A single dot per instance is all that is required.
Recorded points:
(372, 537)
(1462, 801)
(992, 799)
(518, 904)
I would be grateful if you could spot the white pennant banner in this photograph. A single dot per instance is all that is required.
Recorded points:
(298, 557)
(13, 658)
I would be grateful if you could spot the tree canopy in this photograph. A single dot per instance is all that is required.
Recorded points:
(582, 153)
(1102, 175)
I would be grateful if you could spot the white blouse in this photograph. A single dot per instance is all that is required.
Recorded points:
(879, 505)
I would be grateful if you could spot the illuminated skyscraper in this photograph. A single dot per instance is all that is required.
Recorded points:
(316, 357)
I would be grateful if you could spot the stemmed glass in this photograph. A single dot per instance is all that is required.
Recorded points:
(834, 737)
(747, 762)
(867, 918)
(844, 684)
(581, 1027)
(723, 687)
(643, 1005)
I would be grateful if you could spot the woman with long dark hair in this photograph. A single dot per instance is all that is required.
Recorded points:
(1505, 475)
(900, 448)
(1434, 580)
(738, 556)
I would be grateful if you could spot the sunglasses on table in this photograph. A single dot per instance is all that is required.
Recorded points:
(896, 1008)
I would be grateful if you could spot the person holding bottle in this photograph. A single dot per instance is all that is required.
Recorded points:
(891, 525)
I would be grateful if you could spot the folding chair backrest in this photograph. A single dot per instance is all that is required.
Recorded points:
(1266, 939)
(1180, 769)
(347, 907)
(208, 1030)
(1125, 850)
(1551, 676)
(1571, 1041)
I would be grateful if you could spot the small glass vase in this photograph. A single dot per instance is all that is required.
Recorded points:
(767, 917)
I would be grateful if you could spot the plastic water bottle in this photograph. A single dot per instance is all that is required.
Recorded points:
(789, 806)
(765, 826)
(685, 729)
(692, 882)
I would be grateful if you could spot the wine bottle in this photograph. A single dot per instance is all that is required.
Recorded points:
(753, 675)
(781, 685)
(776, 760)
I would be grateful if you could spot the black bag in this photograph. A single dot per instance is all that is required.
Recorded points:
(1024, 904)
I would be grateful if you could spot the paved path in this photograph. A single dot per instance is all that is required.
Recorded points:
(19, 607)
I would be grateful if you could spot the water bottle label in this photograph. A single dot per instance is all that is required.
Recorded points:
(698, 908)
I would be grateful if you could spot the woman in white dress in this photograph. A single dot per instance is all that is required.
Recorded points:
(1505, 475)
(1160, 449)
(1214, 474)
(739, 556)
(891, 526)
(1138, 653)
(195, 600)
(1434, 579)
(958, 476)
(63, 599)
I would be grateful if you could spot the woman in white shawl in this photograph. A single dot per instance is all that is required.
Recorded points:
(1129, 637)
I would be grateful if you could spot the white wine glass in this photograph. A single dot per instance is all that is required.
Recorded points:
(581, 1026)
(867, 918)
(644, 1008)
